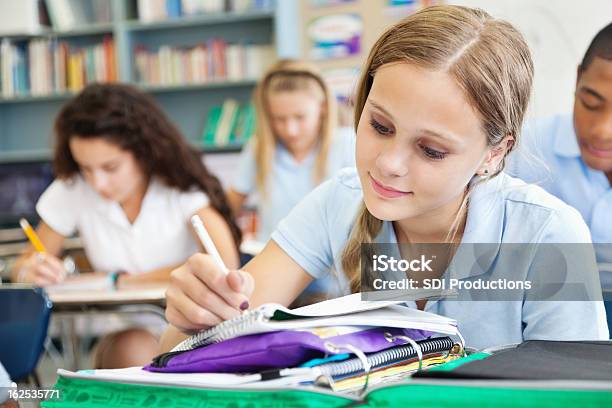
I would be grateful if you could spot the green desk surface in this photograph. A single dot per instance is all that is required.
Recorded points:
(88, 393)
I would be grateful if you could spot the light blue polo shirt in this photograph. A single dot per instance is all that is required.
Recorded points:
(289, 180)
(502, 210)
(549, 155)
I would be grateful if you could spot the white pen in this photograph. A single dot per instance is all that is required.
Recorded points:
(207, 242)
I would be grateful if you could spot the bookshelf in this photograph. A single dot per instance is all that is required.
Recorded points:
(215, 19)
(89, 29)
(26, 119)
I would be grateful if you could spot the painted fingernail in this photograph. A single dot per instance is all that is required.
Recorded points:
(244, 305)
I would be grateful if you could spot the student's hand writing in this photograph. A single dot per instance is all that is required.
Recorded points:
(42, 269)
(200, 295)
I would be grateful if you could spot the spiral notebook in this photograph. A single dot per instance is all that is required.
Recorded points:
(344, 311)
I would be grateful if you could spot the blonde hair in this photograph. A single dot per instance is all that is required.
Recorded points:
(291, 76)
(490, 61)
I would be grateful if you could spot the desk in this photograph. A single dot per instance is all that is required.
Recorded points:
(69, 304)
(81, 392)
(86, 301)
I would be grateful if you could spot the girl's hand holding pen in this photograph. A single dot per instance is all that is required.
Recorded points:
(201, 294)
(42, 269)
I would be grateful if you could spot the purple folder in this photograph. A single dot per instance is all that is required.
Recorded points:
(278, 349)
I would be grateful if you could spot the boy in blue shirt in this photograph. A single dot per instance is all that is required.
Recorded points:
(571, 155)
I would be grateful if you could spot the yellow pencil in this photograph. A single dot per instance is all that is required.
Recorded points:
(32, 235)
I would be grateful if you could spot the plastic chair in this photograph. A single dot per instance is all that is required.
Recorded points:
(24, 320)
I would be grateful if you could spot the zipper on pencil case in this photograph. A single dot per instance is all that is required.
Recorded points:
(163, 359)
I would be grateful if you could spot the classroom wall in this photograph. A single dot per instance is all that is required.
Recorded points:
(558, 33)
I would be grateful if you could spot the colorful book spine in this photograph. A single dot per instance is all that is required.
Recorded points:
(45, 66)
(157, 10)
(214, 61)
(229, 124)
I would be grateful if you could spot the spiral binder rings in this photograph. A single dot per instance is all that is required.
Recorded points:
(337, 373)
(354, 373)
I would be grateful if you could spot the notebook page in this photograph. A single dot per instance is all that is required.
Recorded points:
(136, 375)
(390, 316)
(344, 311)
(339, 306)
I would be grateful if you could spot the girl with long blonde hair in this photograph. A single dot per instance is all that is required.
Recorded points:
(440, 104)
(297, 143)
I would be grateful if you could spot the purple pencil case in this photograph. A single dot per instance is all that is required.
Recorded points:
(280, 349)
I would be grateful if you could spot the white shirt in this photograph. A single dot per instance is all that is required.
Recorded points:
(501, 210)
(159, 237)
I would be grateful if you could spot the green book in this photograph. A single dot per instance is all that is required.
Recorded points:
(226, 123)
(210, 128)
(245, 125)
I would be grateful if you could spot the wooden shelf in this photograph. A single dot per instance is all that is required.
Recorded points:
(231, 148)
(78, 31)
(200, 20)
(14, 156)
(147, 88)
(38, 98)
(197, 86)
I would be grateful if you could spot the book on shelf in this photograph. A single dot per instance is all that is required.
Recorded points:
(45, 66)
(214, 60)
(159, 10)
(13, 59)
(229, 113)
(20, 17)
(244, 128)
(228, 124)
(68, 14)
(173, 8)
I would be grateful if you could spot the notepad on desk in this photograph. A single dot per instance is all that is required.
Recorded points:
(87, 281)
(136, 375)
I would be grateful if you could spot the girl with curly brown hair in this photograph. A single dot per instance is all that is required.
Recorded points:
(127, 183)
